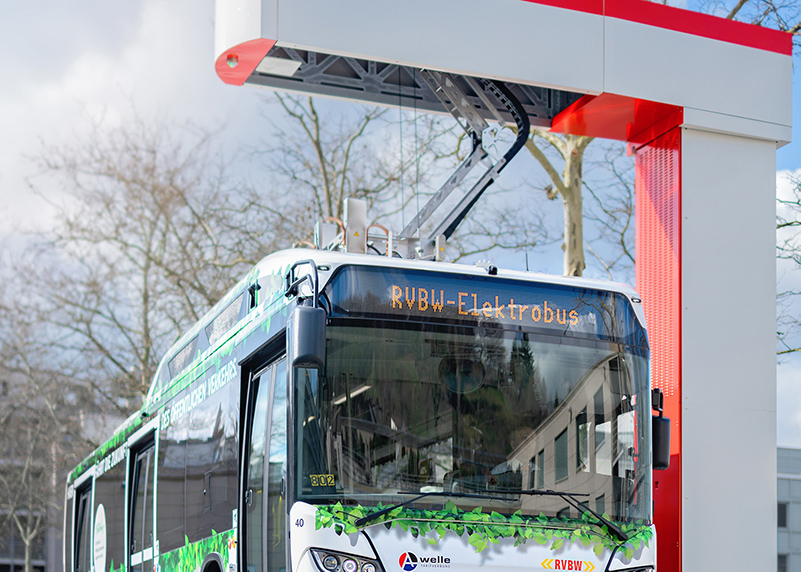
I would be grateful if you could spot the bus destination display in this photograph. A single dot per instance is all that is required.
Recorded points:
(484, 300)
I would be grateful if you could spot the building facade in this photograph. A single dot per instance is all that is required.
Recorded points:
(788, 509)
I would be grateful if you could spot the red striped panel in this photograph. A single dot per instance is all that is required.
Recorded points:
(658, 273)
(590, 6)
(685, 21)
(697, 24)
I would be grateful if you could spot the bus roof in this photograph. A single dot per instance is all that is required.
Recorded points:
(278, 263)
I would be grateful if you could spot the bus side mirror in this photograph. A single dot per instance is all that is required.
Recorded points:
(660, 432)
(307, 337)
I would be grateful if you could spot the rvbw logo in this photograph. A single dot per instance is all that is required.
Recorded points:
(410, 561)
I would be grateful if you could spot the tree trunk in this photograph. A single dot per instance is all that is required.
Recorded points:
(573, 246)
(28, 564)
(568, 184)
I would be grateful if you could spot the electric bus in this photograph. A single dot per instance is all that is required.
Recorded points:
(341, 412)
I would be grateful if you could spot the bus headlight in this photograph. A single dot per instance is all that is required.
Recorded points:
(332, 561)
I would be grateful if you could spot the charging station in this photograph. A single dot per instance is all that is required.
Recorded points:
(704, 103)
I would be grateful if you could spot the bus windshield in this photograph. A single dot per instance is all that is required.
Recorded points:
(468, 410)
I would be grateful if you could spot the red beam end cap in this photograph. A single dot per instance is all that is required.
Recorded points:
(235, 64)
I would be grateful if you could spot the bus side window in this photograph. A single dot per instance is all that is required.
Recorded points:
(211, 463)
(172, 485)
(83, 535)
(141, 506)
(109, 508)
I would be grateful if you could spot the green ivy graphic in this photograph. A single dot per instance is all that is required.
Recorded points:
(120, 568)
(191, 556)
(483, 529)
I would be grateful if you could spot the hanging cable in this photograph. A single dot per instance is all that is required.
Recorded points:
(400, 128)
(416, 151)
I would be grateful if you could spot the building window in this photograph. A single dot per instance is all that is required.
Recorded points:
(560, 457)
(600, 504)
(537, 478)
(582, 441)
(782, 514)
(603, 436)
(541, 469)
(782, 566)
(598, 402)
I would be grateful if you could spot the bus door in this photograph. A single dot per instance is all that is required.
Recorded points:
(141, 503)
(263, 511)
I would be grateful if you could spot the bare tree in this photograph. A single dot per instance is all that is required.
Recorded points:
(784, 15)
(610, 214)
(26, 476)
(39, 433)
(318, 156)
(600, 209)
(567, 184)
(151, 227)
(788, 247)
(150, 231)
(505, 223)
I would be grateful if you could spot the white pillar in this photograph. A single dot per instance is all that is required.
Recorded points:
(728, 352)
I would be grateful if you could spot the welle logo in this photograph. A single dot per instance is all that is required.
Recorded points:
(410, 561)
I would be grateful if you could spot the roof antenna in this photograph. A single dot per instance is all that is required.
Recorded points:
(526, 260)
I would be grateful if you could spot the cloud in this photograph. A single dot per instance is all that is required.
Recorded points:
(153, 58)
(788, 277)
(678, 3)
(785, 183)
(788, 409)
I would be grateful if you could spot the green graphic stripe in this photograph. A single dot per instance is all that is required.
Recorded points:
(483, 528)
(127, 428)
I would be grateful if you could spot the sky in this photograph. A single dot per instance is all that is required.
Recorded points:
(69, 65)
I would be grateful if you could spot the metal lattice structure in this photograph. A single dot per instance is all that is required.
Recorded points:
(395, 85)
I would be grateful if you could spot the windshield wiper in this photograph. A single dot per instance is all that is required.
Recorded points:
(571, 499)
(372, 516)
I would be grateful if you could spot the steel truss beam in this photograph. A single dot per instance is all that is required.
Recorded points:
(395, 85)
